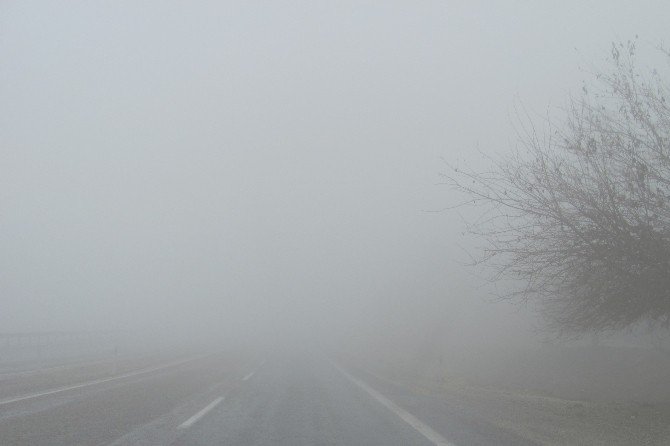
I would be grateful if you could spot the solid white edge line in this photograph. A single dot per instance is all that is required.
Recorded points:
(94, 382)
(191, 421)
(407, 417)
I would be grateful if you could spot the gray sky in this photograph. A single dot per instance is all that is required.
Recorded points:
(263, 166)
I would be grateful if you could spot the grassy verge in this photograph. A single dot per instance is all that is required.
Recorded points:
(544, 419)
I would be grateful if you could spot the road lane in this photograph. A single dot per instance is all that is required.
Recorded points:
(95, 382)
(300, 400)
(201, 413)
(418, 425)
(99, 414)
(42, 380)
(308, 400)
(461, 425)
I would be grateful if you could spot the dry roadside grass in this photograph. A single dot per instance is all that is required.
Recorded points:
(546, 420)
(554, 421)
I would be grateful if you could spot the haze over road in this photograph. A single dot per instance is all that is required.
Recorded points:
(297, 398)
(299, 222)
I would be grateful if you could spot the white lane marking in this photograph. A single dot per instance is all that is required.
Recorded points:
(407, 417)
(191, 421)
(253, 372)
(95, 382)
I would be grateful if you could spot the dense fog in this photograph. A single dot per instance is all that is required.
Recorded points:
(270, 171)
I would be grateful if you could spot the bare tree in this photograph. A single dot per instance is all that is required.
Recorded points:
(579, 214)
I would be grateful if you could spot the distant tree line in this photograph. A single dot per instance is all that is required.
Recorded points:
(579, 214)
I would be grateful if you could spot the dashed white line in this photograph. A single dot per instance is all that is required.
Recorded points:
(253, 372)
(191, 421)
(418, 425)
(94, 382)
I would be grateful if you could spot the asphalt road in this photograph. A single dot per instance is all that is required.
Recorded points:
(309, 400)
(290, 399)
(98, 404)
